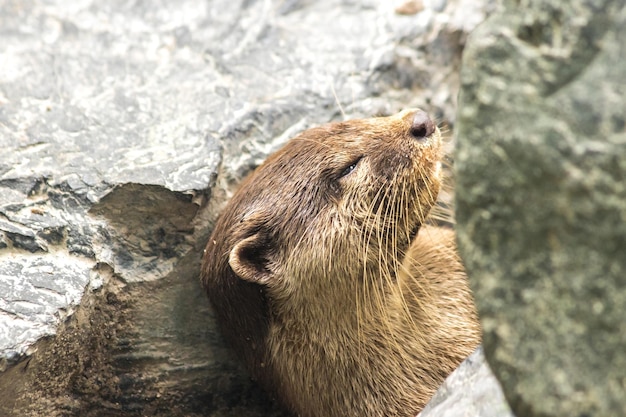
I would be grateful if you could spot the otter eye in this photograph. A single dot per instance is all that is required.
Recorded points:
(347, 170)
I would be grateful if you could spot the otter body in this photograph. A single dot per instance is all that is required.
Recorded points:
(326, 279)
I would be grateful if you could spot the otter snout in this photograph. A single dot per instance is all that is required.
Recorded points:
(422, 125)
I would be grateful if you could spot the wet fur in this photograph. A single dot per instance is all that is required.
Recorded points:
(322, 287)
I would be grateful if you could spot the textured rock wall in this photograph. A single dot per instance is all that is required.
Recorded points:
(541, 202)
(470, 391)
(123, 127)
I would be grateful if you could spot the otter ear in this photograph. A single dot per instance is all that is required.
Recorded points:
(250, 258)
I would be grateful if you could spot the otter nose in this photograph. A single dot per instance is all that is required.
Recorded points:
(422, 126)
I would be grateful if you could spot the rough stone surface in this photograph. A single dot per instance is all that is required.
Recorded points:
(34, 293)
(470, 391)
(541, 202)
(123, 127)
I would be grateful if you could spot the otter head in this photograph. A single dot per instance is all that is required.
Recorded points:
(326, 211)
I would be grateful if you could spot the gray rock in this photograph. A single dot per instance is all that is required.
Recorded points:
(34, 289)
(124, 126)
(541, 202)
(470, 391)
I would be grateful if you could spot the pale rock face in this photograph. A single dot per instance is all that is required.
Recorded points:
(471, 390)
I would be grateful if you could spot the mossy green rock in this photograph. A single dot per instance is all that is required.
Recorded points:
(541, 202)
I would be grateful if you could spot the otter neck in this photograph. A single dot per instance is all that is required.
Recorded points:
(362, 297)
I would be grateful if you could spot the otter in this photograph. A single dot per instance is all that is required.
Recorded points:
(328, 279)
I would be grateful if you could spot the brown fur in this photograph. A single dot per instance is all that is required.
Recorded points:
(322, 286)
